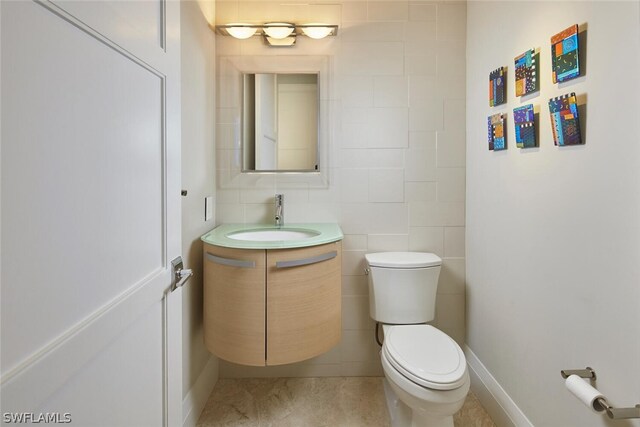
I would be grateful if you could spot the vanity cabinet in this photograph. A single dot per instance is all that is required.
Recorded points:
(272, 306)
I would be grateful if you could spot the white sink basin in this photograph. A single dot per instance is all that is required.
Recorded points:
(273, 234)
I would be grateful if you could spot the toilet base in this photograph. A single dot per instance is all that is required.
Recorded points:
(402, 415)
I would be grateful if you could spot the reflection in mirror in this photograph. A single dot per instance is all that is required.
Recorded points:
(280, 122)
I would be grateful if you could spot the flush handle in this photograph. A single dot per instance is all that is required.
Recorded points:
(180, 274)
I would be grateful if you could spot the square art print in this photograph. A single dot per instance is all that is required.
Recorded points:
(523, 120)
(526, 66)
(496, 132)
(564, 55)
(497, 87)
(565, 123)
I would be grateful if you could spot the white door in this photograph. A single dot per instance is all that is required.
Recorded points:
(90, 215)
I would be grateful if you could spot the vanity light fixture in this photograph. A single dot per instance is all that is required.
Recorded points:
(241, 31)
(277, 33)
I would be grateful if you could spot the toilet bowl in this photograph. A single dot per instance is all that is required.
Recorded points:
(426, 377)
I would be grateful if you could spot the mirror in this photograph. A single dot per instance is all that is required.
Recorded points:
(280, 122)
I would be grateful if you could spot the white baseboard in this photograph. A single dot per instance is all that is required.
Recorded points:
(502, 409)
(193, 403)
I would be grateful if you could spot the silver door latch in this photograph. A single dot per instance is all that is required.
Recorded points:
(180, 274)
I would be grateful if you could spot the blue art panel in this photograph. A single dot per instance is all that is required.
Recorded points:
(523, 119)
(526, 66)
(496, 132)
(565, 123)
(564, 55)
(497, 87)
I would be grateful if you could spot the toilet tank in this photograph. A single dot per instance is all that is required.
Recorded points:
(403, 286)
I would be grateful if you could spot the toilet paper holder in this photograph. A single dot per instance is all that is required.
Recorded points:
(602, 403)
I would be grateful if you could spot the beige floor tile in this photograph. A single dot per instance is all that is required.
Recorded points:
(311, 402)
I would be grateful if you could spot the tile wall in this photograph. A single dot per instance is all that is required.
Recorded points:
(397, 153)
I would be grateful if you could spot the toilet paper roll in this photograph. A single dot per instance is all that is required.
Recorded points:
(584, 392)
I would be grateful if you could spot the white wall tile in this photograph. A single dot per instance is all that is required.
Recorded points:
(454, 244)
(385, 158)
(451, 57)
(422, 91)
(359, 346)
(427, 239)
(454, 114)
(420, 164)
(354, 218)
(420, 32)
(428, 118)
(353, 263)
(423, 63)
(257, 195)
(355, 313)
(355, 185)
(354, 242)
(451, 184)
(452, 21)
(452, 276)
(386, 185)
(372, 32)
(356, 91)
(355, 135)
(354, 10)
(259, 213)
(422, 11)
(388, 218)
(229, 213)
(436, 214)
(390, 91)
(420, 191)
(388, 243)
(388, 10)
(371, 58)
(354, 158)
(355, 285)
(423, 140)
(389, 128)
(451, 149)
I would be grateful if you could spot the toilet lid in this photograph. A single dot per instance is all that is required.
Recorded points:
(426, 356)
(403, 259)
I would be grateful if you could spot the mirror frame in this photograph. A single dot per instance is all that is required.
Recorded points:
(242, 118)
(229, 74)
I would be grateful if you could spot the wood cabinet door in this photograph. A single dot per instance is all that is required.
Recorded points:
(304, 299)
(234, 304)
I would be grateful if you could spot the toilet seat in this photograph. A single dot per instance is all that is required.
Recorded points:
(425, 355)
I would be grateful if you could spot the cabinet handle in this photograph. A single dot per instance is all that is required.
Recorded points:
(306, 261)
(231, 262)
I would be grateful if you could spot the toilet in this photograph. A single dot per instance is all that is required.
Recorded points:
(426, 378)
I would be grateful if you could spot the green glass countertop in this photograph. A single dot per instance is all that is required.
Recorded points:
(326, 233)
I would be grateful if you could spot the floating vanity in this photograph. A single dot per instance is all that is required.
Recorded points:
(272, 295)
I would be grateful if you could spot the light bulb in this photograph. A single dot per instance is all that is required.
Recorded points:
(278, 30)
(240, 31)
(318, 32)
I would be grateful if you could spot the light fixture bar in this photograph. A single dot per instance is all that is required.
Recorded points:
(299, 29)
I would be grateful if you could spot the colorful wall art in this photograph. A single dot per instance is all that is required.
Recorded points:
(496, 132)
(527, 72)
(523, 120)
(497, 87)
(565, 124)
(564, 55)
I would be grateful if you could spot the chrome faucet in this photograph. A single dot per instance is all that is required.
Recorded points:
(279, 210)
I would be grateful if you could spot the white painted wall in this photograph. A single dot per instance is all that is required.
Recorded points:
(200, 368)
(397, 159)
(553, 234)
